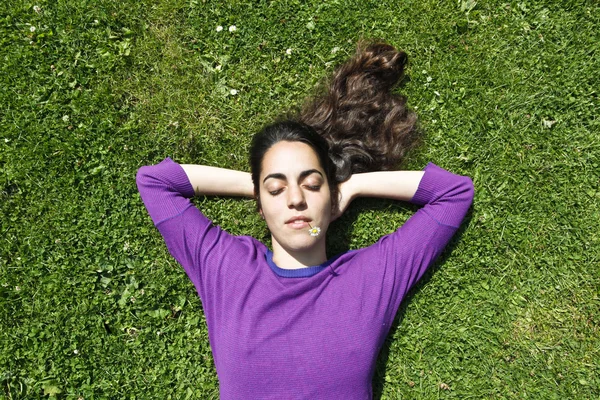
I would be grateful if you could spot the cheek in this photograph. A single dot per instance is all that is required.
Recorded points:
(325, 208)
(268, 207)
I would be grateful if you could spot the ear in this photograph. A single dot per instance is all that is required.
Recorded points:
(258, 205)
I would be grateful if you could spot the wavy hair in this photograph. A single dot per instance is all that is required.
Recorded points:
(368, 128)
(365, 126)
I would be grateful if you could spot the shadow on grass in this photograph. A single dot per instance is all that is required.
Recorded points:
(338, 241)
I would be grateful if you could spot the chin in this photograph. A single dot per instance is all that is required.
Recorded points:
(306, 243)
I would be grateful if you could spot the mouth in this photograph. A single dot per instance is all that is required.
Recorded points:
(299, 222)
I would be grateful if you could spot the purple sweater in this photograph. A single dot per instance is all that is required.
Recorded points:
(312, 333)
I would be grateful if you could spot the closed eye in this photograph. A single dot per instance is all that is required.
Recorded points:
(275, 192)
(314, 188)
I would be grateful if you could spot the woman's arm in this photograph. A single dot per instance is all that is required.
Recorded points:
(397, 185)
(213, 181)
(207, 253)
(398, 260)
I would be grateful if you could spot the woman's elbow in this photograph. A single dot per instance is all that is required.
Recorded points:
(147, 176)
(468, 189)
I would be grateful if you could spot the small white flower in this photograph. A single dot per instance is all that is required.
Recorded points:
(96, 21)
(158, 333)
(288, 51)
(433, 121)
(218, 68)
(6, 140)
(75, 351)
(219, 28)
(436, 92)
(233, 92)
(424, 72)
(17, 288)
(314, 231)
(232, 28)
(132, 299)
(335, 50)
(32, 28)
(65, 118)
(37, 9)
(548, 123)
(429, 79)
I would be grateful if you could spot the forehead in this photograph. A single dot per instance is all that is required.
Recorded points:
(290, 158)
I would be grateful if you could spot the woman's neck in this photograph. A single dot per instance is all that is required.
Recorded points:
(286, 259)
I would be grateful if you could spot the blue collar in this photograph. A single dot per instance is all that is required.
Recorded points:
(300, 272)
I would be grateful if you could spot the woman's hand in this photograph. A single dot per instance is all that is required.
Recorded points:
(346, 194)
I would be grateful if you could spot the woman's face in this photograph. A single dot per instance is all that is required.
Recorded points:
(294, 195)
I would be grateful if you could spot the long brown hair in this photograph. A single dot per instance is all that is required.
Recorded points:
(367, 127)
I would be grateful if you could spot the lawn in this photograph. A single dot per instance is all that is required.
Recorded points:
(92, 305)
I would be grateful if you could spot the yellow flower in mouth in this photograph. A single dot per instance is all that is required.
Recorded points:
(314, 231)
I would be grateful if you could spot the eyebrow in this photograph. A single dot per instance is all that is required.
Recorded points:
(303, 175)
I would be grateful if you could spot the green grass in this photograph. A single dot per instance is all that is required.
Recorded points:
(93, 306)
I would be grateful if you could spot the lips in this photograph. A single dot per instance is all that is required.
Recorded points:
(298, 218)
(298, 222)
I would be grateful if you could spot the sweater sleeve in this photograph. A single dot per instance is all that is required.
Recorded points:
(205, 251)
(406, 254)
(165, 190)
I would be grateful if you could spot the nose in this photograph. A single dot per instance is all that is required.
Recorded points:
(295, 197)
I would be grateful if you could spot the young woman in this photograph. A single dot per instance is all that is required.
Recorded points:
(289, 322)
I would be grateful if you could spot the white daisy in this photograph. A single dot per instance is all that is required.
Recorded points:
(314, 231)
